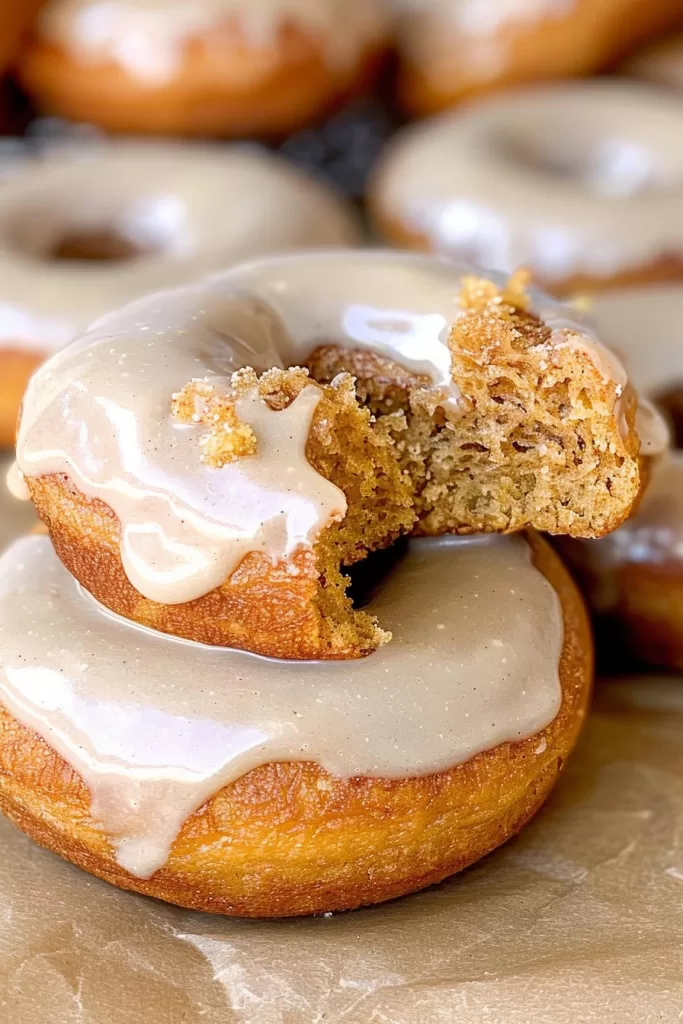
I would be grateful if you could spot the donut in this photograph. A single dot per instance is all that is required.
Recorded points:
(453, 49)
(633, 579)
(579, 182)
(662, 63)
(202, 67)
(85, 229)
(246, 786)
(208, 484)
(16, 20)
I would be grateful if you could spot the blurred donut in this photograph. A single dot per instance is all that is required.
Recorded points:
(85, 229)
(202, 67)
(580, 182)
(453, 49)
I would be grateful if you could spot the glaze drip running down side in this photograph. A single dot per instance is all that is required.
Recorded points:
(100, 409)
(155, 726)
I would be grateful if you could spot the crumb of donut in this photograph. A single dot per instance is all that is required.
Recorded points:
(228, 439)
(542, 437)
(347, 447)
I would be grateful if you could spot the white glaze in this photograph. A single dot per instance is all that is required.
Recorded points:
(148, 37)
(197, 208)
(580, 178)
(100, 409)
(155, 726)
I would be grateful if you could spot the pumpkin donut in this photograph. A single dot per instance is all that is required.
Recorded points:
(88, 227)
(202, 67)
(240, 785)
(205, 485)
(580, 182)
(454, 49)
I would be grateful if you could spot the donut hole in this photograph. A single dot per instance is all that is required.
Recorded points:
(611, 168)
(104, 245)
(118, 235)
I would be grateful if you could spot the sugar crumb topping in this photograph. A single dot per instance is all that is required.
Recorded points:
(227, 438)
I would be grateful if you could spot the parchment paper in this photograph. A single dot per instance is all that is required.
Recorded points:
(579, 919)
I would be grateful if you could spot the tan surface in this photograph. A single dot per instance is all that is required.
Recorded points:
(580, 918)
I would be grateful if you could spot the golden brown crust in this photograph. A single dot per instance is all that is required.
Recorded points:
(589, 36)
(340, 843)
(16, 366)
(222, 88)
(667, 268)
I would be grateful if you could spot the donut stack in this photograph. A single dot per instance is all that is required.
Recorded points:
(192, 705)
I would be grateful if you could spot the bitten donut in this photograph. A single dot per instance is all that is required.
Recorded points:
(661, 63)
(202, 67)
(453, 49)
(204, 484)
(240, 785)
(634, 579)
(84, 230)
(581, 182)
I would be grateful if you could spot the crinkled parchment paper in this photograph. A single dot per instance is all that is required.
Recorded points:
(580, 919)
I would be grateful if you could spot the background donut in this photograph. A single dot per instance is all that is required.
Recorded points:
(633, 579)
(202, 67)
(453, 49)
(85, 228)
(580, 182)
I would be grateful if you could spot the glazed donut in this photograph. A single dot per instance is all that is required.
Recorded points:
(202, 67)
(15, 20)
(580, 182)
(201, 488)
(239, 785)
(661, 63)
(452, 49)
(634, 579)
(83, 230)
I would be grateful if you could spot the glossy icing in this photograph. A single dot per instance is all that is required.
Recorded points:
(579, 178)
(155, 726)
(100, 409)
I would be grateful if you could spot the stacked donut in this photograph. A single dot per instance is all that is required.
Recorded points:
(192, 705)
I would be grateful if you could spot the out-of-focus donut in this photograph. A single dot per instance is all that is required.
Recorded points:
(85, 229)
(580, 182)
(452, 49)
(202, 67)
